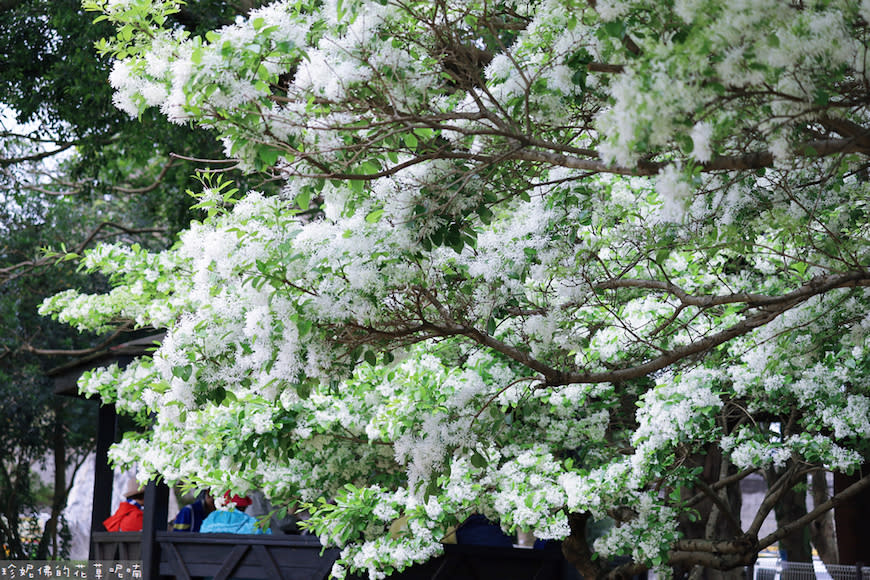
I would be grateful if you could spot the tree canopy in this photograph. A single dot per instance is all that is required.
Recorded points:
(534, 260)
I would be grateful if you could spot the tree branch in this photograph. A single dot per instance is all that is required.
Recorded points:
(724, 509)
(7, 161)
(756, 160)
(727, 554)
(14, 271)
(156, 183)
(817, 285)
(77, 352)
(833, 502)
(725, 481)
(774, 493)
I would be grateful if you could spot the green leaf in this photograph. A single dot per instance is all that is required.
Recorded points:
(303, 198)
(217, 395)
(303, 326)
(268, 156)
(374, 216)
(183, 372)
(485, 214)
(615, 28)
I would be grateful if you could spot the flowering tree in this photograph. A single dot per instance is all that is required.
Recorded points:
(542, 261)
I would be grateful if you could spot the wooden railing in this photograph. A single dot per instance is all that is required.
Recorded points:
(189, 556)
(220, 556)
(116, 545)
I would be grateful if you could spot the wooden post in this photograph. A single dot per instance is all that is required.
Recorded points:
(107, 432)
(155, 519)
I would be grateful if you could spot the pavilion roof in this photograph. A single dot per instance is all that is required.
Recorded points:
(66, 376)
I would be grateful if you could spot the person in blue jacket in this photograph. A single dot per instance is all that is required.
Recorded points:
(234, 520)
(190, 518)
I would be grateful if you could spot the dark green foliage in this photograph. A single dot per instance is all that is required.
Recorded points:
(52, 79)
(24, 426)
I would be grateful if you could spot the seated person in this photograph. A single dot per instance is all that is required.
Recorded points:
(190, 517)
(262, 508)
(478, 531)
(128, 516)
(233, 520)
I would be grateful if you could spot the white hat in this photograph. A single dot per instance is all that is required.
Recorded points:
(133, 488)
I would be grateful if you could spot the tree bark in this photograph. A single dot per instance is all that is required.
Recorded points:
(49, 533)
(851, 517)
(822, 533)
(795, 547)
(719, 513)
(576, 550)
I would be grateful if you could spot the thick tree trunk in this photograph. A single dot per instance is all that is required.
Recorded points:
(822, 532)
(719, 517)
(49, 534)
(576, 550)
(851, 516)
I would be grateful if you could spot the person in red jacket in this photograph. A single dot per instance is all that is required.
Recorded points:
(128, 516)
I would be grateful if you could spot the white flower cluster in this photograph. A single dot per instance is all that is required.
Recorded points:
(647, 537)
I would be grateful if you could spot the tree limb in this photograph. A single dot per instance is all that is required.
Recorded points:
(77, 352)
(156, 183)
(836, 500)
(756, 160)
(7, 161)
(725, 481)
(817, 285)
(14, 271)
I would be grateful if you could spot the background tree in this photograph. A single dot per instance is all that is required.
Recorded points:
(74, 170)
(54, 84)
(563, 251)
(41, 428)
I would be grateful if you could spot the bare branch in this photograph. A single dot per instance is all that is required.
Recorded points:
(154, 185)
(835, 501)
(723, 482)
(77, 352)
(198, 160)
(7, 161)
(817, 285)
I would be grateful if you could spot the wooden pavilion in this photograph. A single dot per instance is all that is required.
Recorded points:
(186, 556)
